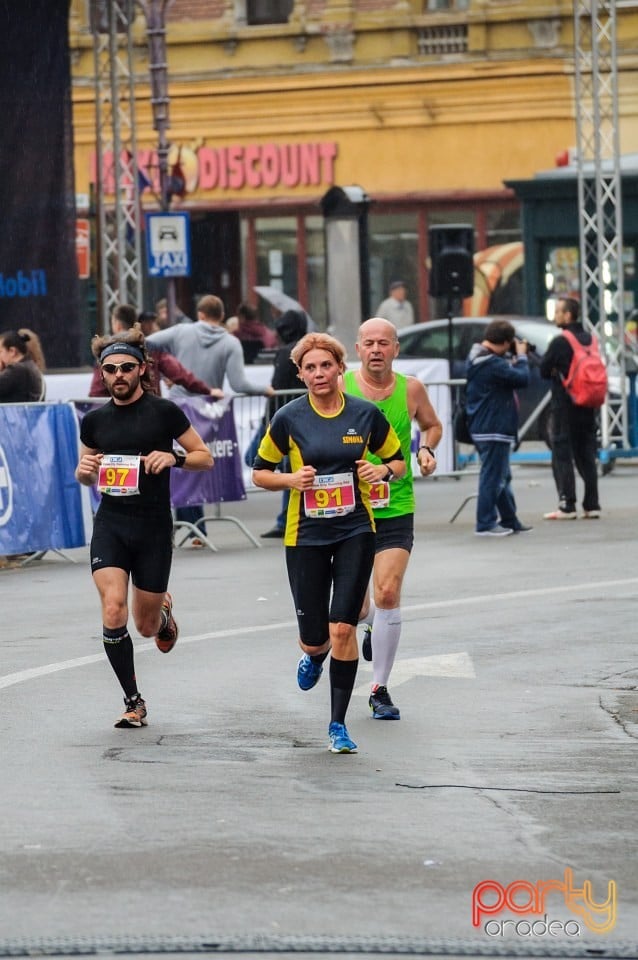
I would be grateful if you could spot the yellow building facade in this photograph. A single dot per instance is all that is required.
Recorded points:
(427, 105)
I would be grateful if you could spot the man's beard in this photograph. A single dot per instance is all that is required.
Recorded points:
(124, 390)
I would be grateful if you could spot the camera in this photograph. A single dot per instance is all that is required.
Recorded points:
(531, 347)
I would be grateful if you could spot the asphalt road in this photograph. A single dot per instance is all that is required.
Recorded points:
(227, 820)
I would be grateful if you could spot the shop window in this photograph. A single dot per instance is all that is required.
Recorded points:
(393, 252)
(561, 276)
(503, 225)
(262, 12)
(276, 258)
(439, 218)
(562, 279)
(316, 271)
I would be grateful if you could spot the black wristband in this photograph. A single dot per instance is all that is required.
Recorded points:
(180, 458)
(424, 446)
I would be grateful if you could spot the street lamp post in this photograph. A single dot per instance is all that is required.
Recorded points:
(155, 13)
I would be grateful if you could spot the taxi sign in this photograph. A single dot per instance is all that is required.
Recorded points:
(168, 244)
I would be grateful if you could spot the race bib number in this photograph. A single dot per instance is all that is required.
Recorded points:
(331, 495)
(119, 476)
(379, 494)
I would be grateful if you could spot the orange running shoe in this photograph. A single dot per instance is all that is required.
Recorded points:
(168, 633)
(134, 713)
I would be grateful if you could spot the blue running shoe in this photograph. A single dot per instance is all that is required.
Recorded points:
(308, 673)
(340, 741)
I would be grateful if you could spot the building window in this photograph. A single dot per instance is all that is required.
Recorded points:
(433, 5)
(262, 12)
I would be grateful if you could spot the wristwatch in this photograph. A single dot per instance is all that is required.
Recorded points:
(389, 477)
(424, 446)
(180, 458)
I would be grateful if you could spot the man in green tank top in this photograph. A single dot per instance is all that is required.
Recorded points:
(402, 399)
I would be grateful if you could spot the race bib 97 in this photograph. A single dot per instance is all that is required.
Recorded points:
(119, 476)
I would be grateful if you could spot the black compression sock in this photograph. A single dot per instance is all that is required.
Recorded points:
(342, 677)
(318, 658)
(119, 650)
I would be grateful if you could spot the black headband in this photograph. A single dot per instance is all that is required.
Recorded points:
(127, 348)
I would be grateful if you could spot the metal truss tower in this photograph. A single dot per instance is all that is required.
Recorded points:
(117, 187)
(600, 199)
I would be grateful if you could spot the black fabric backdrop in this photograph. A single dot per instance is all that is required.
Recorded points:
(38, 271)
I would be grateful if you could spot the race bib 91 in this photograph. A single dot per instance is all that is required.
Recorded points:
(331, 495)
(119, 476)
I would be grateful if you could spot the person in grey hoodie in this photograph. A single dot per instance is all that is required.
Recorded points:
(496, 368)
(209, 351)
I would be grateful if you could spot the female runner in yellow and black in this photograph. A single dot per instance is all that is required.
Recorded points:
(329, 536)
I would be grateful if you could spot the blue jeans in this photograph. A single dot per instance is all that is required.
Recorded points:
(495, 502)
(191, 515)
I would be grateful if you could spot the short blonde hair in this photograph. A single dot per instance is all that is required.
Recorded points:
(318, 341)
(212, 307)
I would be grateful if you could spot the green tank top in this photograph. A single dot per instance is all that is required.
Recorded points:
(395, 409)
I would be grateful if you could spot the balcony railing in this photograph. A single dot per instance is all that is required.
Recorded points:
(441, 39)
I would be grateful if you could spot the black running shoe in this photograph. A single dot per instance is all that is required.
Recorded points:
(381, 705)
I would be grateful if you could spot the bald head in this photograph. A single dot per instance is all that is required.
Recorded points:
(377, 327)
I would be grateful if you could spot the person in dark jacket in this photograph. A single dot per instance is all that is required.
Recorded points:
(496, 368)
(253, 334)
(573, 429)
(291, 327)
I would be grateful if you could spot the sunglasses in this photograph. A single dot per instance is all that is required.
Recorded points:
(127, 367)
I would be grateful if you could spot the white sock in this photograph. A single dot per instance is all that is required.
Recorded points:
(369, 617)
(386, 634)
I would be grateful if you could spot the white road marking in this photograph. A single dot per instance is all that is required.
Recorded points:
(21, 676)
(439, 665)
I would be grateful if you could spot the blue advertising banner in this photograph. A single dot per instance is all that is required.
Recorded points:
(40, 500)
(215, 423)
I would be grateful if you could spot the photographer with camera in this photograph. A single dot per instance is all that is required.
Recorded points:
(496, 368)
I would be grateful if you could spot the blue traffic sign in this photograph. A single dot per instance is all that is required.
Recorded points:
(168, 244)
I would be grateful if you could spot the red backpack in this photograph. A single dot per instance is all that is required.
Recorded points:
(586, 380)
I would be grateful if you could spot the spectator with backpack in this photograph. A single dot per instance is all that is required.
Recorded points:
(573, 364)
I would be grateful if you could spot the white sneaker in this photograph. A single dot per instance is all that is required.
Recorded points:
(591, 515)
(497, 531)
(560, 515)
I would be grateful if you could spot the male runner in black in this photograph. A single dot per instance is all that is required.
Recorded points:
(127, 450)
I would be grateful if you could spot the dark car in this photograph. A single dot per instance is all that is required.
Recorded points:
(431, 341)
